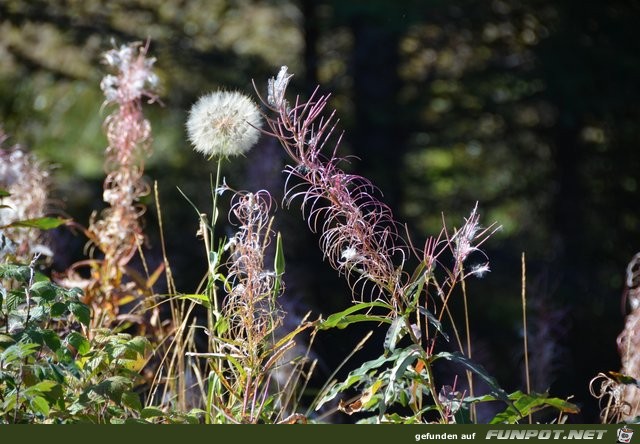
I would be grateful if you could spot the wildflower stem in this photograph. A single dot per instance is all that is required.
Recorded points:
(468, 331)
(524, 326)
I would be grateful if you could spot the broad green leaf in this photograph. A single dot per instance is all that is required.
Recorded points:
(39, 405)
(51, 339)
(139, 344)
(433, 321)
(340, 319)
(15, 298)
(58, 309)
(496, 390)
(4, 193)
(45, 290)
(562, 405)
(41, 223)
(74, 293)
(132, 400)
(81, 312)
(43, 386)
(6, 340)
(18, 351)
(113, 387)
(79, 342)
(151, 412)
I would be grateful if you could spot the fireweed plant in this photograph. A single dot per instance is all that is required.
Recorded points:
(361, 239)
(116, 234)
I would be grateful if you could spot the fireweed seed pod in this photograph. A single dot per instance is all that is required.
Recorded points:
(223, 124)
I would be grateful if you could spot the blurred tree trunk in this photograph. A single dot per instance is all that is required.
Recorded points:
(311, 32)
(377, 140)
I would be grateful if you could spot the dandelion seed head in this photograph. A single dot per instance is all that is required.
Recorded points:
(223, 123)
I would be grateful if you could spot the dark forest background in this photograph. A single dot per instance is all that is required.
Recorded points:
(530, 108)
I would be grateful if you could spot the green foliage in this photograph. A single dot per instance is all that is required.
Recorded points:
(41, 223)
(52, 371)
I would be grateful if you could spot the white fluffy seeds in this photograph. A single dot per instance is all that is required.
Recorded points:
(224, 123)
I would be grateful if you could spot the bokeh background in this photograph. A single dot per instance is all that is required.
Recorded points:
(529, 108)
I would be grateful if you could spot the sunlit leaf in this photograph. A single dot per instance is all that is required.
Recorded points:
(79, 342)
(45, 290)
(344, 318)
(81, 312)
(151, 412)
(198, 298)
(41, 223)
(20, 273)
(39, 405)
(396, 331)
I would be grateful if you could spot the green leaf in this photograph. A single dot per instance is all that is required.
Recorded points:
(58, 309)
(344, 318)
(6, 340)
(621, 378)
(394, 334)
(39, 405)
(20, 273)
(496, 390)
(15, 298)
(202, 299)
(79, 342)
(139, 344)
(151, 412)
(433, 321)
(81, 312)
(43, 386)
(4, 193)
(17, 352)
(523, 405)
(278, 265)
(354, 377)
(52, 340)
(132, 400)
(403, 360)
(45, 290)
(41, 223)
(412, 295)
(114, 387)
